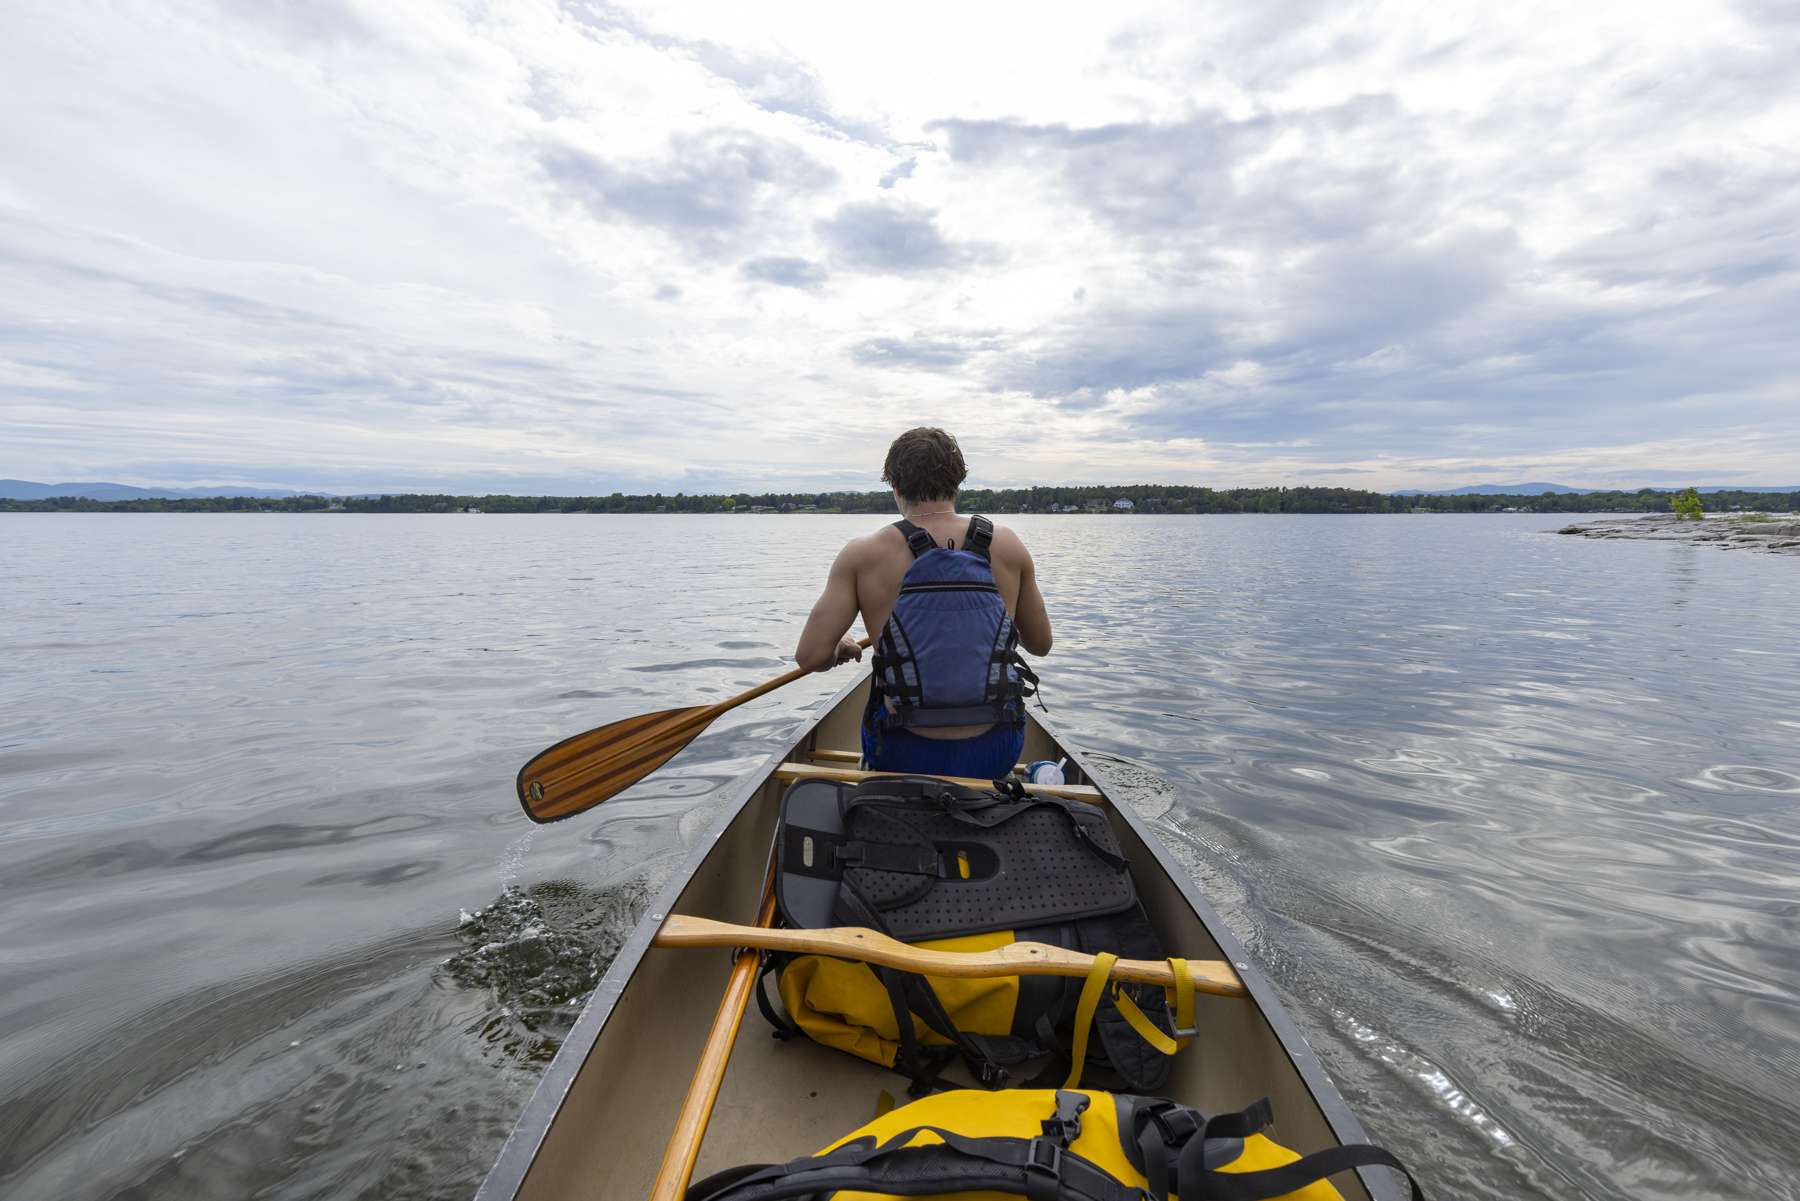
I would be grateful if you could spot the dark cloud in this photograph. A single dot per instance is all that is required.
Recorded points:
(668, 292)
(894, 239)
(786, 272)
(1212, 181)
(711, 186)
(1076, 363)
(910, 354)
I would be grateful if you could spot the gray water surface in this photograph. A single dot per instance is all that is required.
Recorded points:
(1512, 820)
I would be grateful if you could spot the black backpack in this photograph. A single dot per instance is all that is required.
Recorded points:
(928, 862)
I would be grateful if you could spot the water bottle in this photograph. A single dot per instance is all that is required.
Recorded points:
(1045, 771)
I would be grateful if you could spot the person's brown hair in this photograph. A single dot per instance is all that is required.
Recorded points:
(924, 464)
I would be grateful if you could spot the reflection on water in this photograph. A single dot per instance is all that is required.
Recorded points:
(1509, 818)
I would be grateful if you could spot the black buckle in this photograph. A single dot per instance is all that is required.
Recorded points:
(1164, 1119)
(1043, 1170)
(1065, 1126)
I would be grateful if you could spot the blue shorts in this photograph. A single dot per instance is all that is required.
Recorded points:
(987, 756)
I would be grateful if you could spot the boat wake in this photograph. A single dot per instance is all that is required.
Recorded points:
(541, 950)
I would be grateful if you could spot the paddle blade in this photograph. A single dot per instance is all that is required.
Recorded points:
(578, 773)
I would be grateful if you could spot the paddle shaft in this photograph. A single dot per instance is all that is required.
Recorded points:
(683, 1150)
(870, 946)
(767, 686)
(584, 770)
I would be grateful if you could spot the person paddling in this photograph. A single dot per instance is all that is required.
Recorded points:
(954, 598)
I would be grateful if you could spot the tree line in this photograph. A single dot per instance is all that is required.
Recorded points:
(1144, 498)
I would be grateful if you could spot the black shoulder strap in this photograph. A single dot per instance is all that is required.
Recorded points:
(980, 536)
(918, 539)
(1194, 1179)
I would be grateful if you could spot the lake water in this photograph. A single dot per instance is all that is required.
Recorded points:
(1512, 820)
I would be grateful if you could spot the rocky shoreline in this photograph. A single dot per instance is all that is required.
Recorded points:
(1779, 536)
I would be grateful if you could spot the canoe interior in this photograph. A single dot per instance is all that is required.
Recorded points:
(597, 1126)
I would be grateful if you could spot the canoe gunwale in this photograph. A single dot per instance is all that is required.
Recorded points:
(527, 1136)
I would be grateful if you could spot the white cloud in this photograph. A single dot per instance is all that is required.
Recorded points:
(592, 246)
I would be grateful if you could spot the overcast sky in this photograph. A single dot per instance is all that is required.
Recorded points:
(587, 247)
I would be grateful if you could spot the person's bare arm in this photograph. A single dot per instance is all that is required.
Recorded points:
(1029, 615)
(825, 642)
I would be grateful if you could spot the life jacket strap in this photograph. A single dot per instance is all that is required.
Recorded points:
(977, 541)
(918, 539)
(980, 536)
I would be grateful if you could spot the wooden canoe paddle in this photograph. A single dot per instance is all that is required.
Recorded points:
(580, 772)
(683, 1148)
(870, 946)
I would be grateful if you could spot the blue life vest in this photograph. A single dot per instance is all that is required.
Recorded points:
(949, 654)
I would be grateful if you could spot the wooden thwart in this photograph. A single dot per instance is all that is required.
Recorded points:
(830, 756)
(846, 775)
(870, 946)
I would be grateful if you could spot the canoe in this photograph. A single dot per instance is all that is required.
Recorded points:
(598, 1122)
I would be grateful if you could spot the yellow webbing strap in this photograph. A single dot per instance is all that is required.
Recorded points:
(1149, 1033)
(1084, 1014)
(1184, 998)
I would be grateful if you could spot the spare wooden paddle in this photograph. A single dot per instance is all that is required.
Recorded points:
(683, 1148)
(870, 946)
(578, 773)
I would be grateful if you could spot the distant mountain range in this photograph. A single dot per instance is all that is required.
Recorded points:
(1494, 490)
(1564, 489)
(29, 490)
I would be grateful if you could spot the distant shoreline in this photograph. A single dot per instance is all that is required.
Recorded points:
(1122, 500)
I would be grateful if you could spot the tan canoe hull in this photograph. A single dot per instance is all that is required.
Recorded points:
(597, 1124)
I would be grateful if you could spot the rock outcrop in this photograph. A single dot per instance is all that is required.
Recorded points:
(1778, 535)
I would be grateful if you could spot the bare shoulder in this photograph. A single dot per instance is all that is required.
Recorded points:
(1008, 547)
(865, 549)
